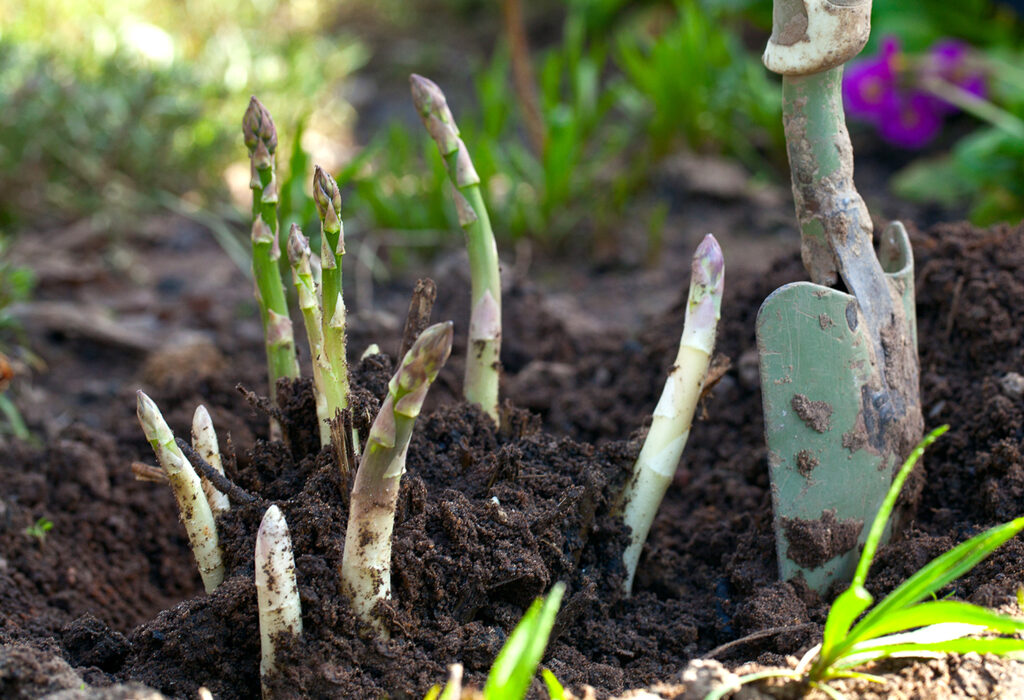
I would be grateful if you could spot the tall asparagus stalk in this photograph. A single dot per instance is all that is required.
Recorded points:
(277, 591)
(673, 416)
(261, 140)
(366, 561)
(204, 442)
(484, 346)
(332, 248)
(193, 509)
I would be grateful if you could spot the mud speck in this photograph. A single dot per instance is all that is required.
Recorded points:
(816, 415)
(814, 542)
(805, 463)
(825, 321)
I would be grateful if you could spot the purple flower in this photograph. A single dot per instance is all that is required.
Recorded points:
(869, 84)
(910, 119)
(950, 60)
(890, 89)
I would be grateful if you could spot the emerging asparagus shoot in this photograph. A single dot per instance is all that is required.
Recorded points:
(366, 561)
(484, 345)
(261, 140)
(327, 387)
(193, 509)
(673, 416)
(204, 441)
(277, 592)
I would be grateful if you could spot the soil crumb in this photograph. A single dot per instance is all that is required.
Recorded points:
(814, 542)
(806, 463)
(816, 414)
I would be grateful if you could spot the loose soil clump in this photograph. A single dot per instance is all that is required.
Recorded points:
(488, 519)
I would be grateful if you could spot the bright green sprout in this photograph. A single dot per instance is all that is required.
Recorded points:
(517, 661)
(39, 529)
(908, 622)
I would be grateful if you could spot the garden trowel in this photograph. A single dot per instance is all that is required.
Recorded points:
(839, 372)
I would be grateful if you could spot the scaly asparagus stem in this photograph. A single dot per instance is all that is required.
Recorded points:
(204, 441)
(328, 205)
(277, 592)
(193, 508)
(673, 416)
(484, 346)
(366, 561)
(261, 140)
(326, 387)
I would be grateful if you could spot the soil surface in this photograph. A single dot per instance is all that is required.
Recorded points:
(488, 519)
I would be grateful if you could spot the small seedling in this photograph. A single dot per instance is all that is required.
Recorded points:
(39, 529)
(910, 621)
(513, 669)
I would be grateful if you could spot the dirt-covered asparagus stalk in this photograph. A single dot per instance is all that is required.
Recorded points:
(366, 562)
(484, 346)
(328, 389)
(673, 416)
(261, 140)
(277, 591)
(193, 508)
(204, 441)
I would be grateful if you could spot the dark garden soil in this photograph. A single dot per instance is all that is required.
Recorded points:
(488, 519)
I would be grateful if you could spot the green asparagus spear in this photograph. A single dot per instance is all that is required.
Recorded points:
(484, 346)
(366, 561)
(261, 140)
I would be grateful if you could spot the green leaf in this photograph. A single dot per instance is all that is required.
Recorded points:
(555, 689)
(1001, 646)
(939, 572)
(942, 611)
(517, 661)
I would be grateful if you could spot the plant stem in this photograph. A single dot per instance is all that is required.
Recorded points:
(366, 561)
(484, 342)
(277, 592)
(328, 205)
(261, 140)
(673, 416)
(193, 508)
(327, 389)
(204, 442)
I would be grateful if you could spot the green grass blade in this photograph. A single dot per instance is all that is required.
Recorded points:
(941, 611)
(937, 573)
(555, 689)
(856, 599)
(846, 608)
(1001, 646)
(517, 661)
(882, 517)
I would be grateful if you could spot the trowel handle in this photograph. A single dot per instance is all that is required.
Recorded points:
(811, 36)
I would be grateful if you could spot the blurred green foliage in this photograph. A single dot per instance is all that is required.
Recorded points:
(109, 107)
(612, 104)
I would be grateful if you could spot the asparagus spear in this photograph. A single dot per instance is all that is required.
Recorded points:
(328, 205)
(366, 561)
(204, 441)
(673, 416)
(193, 509)
(327, 388)
(484, 345)
(277, 592)
(261, 140)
